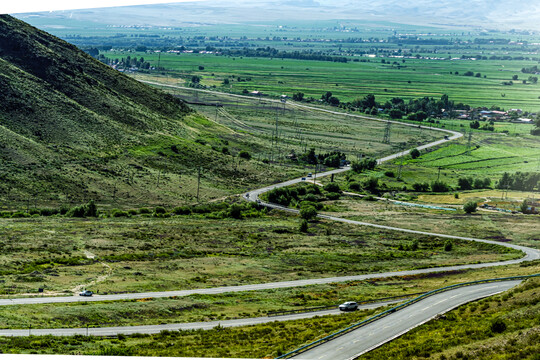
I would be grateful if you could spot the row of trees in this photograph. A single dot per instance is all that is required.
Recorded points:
(331, 159)
(524, 181)
(269, 52)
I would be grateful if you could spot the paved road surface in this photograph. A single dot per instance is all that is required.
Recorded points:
(373, 335)
(153, 329)
(347, 345)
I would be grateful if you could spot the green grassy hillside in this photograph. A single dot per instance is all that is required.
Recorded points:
(74, 129)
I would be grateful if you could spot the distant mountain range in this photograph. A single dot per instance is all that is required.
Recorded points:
(500, 14)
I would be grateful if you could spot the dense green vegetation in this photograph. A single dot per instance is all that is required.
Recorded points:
(79, 165)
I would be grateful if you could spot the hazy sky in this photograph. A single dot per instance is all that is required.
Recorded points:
(22, 6)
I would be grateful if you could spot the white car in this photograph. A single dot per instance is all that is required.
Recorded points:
(86, 293)
(348, 306)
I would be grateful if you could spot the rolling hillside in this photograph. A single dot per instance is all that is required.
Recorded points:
(73, 129)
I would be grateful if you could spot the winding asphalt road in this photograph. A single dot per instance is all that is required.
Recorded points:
(154, 329)
(368, 337)
(373, 335)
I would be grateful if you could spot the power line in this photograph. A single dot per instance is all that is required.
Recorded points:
(386, 137)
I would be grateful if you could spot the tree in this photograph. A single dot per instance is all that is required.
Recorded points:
(396, 114)
(310, 157)
(304, 225)
(334, 101)
(475, 124)
(524, 207)
(465, 183)
(533, 79)
(195, 79)
(420, 187)
(299, 96)
(470, 207)
(201, 67)
(326, 96)
(515, 77)
(439, 186)
(415, 153)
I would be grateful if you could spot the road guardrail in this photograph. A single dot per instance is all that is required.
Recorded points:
(396, 308)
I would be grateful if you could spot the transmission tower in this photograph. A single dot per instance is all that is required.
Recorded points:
(386, 138)
(469, 142)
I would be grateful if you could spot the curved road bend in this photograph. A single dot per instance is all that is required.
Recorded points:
(530, 254)
(154, 329)
(455, 134)
(375, 334)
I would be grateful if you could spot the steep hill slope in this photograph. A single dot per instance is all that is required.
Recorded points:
(73, 129)
(51, 91)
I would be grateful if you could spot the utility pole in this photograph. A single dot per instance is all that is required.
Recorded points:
(386, 137)
(469, 142)
(401, 148)
(198, 183)
(439, 174)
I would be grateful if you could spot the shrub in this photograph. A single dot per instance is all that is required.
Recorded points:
(88, 210)
(308, 212)
(159, 210)
(333, 196)
(310, 197)
(366, 164)
(48, 212)
(235, 211)
(182, 210)
(389, 174)
(415, 153)
(354, 186)
(439, 186)
(244, 155)
(448, 246)
(119, 213)
(372, 184)
(332, 187)
(470, 207)
(304, 226)
(420, 187)
(20, 214)
(498, 326)
(145, 211)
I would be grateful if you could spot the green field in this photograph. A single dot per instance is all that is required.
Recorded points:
(349, 81)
